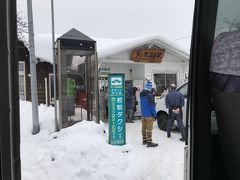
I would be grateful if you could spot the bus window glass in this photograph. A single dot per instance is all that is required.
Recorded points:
(225, 83)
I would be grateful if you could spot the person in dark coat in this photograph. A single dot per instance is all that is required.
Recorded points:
(174, 102)
(129, 103)
(135, 89)
(148, 109)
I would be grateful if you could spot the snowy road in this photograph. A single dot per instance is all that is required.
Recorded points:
(81, 152)
(163, 162)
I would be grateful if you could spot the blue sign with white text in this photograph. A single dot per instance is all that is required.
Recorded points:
(116, 115)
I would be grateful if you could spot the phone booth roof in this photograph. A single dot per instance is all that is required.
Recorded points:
(75, 40)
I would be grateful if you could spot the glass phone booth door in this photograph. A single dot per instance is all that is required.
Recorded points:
(103, 98)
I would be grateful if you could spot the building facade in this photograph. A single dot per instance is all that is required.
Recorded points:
(145, 58)
(171, 67)
(44, 71)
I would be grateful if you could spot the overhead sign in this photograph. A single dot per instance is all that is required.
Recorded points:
(104, 71)
(116, 112)
(147, 55)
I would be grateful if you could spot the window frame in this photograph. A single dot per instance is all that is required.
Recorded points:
(199, 105)
(23, 73)
(50, 88)
(165, 78)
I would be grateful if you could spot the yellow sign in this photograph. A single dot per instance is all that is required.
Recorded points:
(148, 55)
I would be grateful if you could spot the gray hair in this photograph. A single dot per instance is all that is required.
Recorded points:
(173, 87)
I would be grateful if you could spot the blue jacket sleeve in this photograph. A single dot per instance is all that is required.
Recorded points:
(152, 105)
(153, 110)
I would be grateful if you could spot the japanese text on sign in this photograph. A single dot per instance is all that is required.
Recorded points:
(116, 109)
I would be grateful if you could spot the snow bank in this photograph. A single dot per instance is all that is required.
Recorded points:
(81, 152)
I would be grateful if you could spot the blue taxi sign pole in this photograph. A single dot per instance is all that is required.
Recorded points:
(116, 109)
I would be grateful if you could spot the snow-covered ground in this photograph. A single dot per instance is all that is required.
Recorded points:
(81, 152)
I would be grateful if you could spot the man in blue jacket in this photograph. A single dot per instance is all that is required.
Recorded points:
(148, 110)
(174, 102)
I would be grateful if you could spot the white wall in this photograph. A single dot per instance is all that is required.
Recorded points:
(170, 65)
(137, 70)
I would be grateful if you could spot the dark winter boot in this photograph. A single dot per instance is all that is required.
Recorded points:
(151, 144)
(129, 121)
(168, 134)
(182, 139)
(144, 142)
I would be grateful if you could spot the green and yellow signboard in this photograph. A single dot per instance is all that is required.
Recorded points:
(71, 86)
(116, 113)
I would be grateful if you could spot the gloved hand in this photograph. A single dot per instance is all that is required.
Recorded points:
(176, 111)
(155, 118)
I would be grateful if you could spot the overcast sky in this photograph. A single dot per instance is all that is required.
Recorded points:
(116, 18)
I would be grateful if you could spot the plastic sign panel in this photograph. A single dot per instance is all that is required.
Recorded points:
(116, 112)
(103, 71)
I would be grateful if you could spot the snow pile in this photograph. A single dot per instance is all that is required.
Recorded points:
(81, 152)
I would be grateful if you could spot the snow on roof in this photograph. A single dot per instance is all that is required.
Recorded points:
(119, 45)
(43, 47)
(107, 47)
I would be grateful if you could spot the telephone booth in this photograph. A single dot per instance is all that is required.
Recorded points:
(103, 93)
(77, 78)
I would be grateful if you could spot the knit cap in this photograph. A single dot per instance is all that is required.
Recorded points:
(148, 86)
